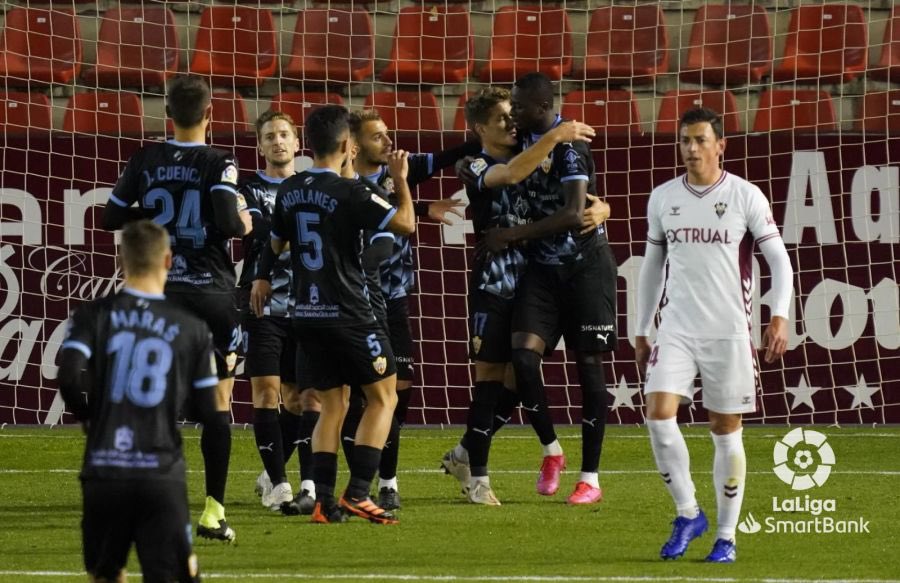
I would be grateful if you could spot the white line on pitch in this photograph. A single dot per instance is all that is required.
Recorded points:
(523, 578)
(441, 471)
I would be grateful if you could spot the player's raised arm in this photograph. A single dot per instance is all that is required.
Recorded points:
(404, 220)
(518, 169)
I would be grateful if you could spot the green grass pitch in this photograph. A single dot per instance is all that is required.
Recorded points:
(442, 537)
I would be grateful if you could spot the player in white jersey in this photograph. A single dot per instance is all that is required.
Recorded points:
(706, 223)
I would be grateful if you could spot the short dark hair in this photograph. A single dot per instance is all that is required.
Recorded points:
(186, 100)
(324, 128)
(144, 244)
(700, 115)
(480, 105)
(359, 118)
(272, 115)
(537, 84)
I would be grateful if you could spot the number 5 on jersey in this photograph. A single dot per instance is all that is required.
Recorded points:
(312, 257)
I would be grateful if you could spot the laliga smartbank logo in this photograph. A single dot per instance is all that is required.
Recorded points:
(803, 460)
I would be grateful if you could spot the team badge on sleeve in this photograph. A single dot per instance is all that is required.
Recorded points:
(230, 174)
(380, 364)
(572, 160)
(478, 166)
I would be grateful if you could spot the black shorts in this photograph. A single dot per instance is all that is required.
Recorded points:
(221, 315)
(153, 514)
(269, 348)
(490, 327)
(575, 301)
(401, 337)
(346, 355)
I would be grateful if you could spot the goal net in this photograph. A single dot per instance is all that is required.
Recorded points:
(806, 90)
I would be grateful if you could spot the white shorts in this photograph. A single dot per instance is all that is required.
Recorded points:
(728, 369)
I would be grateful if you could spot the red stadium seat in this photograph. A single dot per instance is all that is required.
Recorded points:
(298, 104)
(40, 46)
(459, 118)
(229, 115)
(136, 47)
(332, 45)
(795, 110)
(420, 111)
(730, 45)
(431, 45)
(675, 103)
(879, 112)
(526, 39)
(826, 43)
(888, 68)
(235, 46)
(22, 113)
(113, 113)
(626, 43)
(610, 112)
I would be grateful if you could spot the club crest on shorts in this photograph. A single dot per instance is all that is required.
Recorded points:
(380, 364)
(721, 207)
(231, 361)
(547, 163)
(476, 344)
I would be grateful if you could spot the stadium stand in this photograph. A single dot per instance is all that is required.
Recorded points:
(40, 46)
(235, 46)
(331, 45)
(24, 113)
(609, 112)
(459, 116)
(627, 44)
(879, 112)
(431, 45)
(136, 47)
(675, 102)
(888, 68)
(298, 104)
(730, 44)
(113, 113)
(826, 43)
(529, 38)
(787, 109)
(420, 111)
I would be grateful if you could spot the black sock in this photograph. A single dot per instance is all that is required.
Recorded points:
(480, 425)
(351, 424)
(507, 401)
(268, 442)
(403, 398)
(325, 475)
(290, 427)
(215, 444)
(362, 470)
(304, 443)
(387, 467)
(530, 385)
(594, 410)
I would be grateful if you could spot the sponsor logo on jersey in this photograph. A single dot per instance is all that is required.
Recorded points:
(675, 212)
(313, 294)
(478, 166)
(179, 264)
(476, 344)
(380, 201)
(230, 174)
(124, 439)
(572, 161)
(721, 207)
(380, 364)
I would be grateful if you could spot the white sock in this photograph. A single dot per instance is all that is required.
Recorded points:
(310, 487)
(392, 483)
(553, 448)
(591, 478)
(474, 480)
(729, 478)
(674, 464)
(461, 453)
